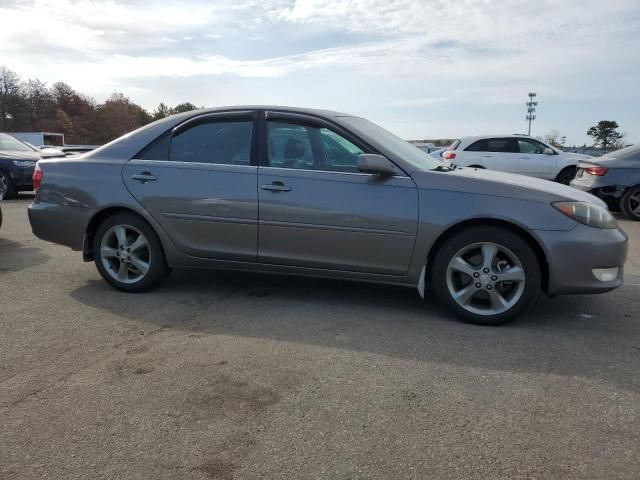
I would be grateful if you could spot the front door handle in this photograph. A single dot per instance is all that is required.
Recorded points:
(144, 177)
(276, 187)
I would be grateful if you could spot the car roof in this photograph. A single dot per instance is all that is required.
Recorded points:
(510, 135)
(310, 111)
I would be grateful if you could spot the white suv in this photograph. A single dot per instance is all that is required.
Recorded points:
(515, 154)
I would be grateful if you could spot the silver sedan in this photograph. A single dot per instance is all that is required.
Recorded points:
(310, 192)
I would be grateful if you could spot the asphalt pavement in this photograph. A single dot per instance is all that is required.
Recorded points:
(243, 376)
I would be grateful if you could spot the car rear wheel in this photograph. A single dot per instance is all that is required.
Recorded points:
(7, 189)
(486, 275)
(566, 175)
(128, 254)
(630, 204)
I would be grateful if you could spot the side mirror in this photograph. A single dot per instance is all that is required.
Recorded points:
(374, 163)
(548, 151)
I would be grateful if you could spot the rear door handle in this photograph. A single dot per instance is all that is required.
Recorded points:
(276, 187)
(144, 177)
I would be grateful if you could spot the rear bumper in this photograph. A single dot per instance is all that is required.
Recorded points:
(572, 256)
(62, 224)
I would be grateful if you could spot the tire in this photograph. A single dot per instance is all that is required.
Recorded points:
(566, 175)
(7, 189)
(483, 299)
(630, 203)
(128, 253)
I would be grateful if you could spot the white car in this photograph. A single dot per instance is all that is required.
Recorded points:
(515, 154)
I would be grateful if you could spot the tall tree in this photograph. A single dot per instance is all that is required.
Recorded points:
(9, 94)
(162, 111)
(605, 133)
(555, 138)
(184, 107)
(34, 106)
(117, 116)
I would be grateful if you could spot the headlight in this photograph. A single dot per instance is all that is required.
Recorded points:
(24, 163)
(587, 214)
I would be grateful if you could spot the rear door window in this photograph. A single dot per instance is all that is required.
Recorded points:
(226, 143)
(502, 145)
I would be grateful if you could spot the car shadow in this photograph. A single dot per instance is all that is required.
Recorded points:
(573, 336)
(16, 256)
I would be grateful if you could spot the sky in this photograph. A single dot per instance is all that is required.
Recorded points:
(422, 69)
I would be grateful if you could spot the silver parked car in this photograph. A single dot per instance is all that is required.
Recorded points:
(615, 178)
(320, 193)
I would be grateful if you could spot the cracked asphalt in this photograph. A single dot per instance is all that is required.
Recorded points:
(244, 376)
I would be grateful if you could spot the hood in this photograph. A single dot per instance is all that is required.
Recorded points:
(501, 184)
(13, 155)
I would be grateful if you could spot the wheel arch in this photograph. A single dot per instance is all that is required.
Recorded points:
(518, 230)
(99, 217)
(565, 168)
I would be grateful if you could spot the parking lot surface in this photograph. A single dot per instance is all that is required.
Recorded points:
(234, 375)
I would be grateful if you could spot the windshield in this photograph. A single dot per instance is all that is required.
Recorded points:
(10, 144)
(408, 152)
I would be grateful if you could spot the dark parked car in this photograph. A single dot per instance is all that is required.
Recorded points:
(311, 192)
(17, 162)
(615, 178)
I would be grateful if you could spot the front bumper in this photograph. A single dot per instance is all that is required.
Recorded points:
(23, 177)
(572, 256)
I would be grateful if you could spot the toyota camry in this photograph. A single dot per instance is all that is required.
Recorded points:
(319, 193)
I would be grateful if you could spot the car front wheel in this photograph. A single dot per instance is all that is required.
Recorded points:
(128, 254)
(630, 204)
(486, 275)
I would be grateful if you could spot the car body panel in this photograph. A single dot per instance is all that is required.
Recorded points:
(338, 220)
(216, 217)
(20, 175)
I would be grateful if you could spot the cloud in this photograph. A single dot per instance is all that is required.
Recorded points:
(407, 55)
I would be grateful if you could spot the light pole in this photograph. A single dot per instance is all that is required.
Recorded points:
(531, 109)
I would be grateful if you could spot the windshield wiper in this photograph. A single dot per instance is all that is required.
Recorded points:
(444, 168)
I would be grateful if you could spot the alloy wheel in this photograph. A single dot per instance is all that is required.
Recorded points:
(634, 202)
(125, 254)
(485, 278)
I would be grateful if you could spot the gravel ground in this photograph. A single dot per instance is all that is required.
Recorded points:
(243, 376)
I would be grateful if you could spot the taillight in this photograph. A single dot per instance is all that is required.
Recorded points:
(598, 171)
(449, 155)
(37, 177)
